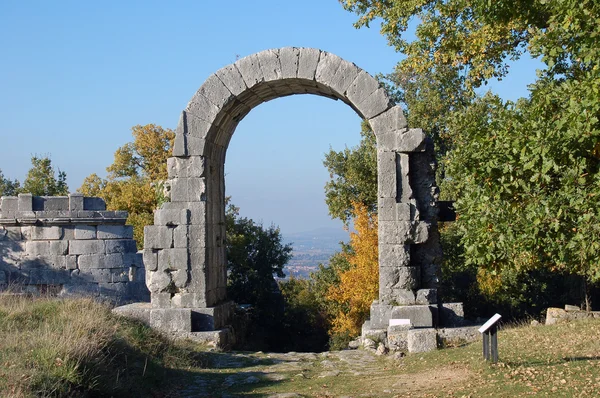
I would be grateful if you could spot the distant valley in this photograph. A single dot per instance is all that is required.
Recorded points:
(312, 248)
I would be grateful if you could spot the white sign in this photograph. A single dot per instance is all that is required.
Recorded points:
(490, 323)
(396, 322)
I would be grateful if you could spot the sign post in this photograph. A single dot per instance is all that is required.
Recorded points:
(489, 330)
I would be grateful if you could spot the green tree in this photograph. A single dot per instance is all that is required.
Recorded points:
(41, 179)
(524, 174)
(255, 255)
(8, 187)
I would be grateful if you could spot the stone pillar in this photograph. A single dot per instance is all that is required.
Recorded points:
(409, 249)
(185, 248)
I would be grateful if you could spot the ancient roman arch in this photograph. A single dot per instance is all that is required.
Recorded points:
(184, 252)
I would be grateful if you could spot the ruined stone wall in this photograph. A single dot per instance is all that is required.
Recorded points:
(69, 245)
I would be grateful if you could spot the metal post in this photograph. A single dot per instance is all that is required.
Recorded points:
(486, 346)
(494, 333)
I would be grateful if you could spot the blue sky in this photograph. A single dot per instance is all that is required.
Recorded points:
(75, 77)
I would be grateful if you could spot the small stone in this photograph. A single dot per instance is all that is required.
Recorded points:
(368, 343)
(534, 323)
(381, 350)
(354, 344)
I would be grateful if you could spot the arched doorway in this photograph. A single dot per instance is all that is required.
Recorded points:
(184, 252)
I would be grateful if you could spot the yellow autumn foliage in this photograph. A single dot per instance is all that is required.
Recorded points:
(135, 178)
(359, 285)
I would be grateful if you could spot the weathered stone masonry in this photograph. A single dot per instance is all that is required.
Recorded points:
(69, 246)
(184, 251)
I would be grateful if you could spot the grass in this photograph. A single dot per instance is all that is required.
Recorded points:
(74, 348)
(51, 347)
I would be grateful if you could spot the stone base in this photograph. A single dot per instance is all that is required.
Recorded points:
(221, 339)
(421, 340)
(421, 334)
(207, 325)
(455, 337)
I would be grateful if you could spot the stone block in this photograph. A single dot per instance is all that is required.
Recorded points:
(160, 300)
(327, 67)
(158, 237)
(180, 277)
(361, 88)
(9, 204)
(76, 202)
(395, 232)
(197, 213)
(115, 231)
(232, 79)
(189, 300)
(380, 315)
(375, 104)
(86, 247)
(397, 337)
(150, 257)
(157, 281)
(345, 75)
(171, 217)
(398, 296)
(46, 232)
(192, 166)
(249, 68)
(412, 140)
(50, 203)
(386, 175)
(173, 259)
(120, 246)
(87, 261)
(387, 209)
(25, 202)
(171, 319)
(84, 232)
(188, 189)
(202, 108)
(139, 311)
(11, 233)
(47, 261)
(93, 203)
(420, 315)
(47, 248)
(426, 296)
(196, 236)
(96, 275)
(288, 58)
(422, 340)
(71, 262)
(307, 63)
(389, 121)
(458, 336)
(180, 236)
(216, 91)
(391, 255)
(270, 65)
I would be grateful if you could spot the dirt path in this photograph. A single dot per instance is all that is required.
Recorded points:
(356, 373)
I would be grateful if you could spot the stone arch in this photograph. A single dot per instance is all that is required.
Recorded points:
(184, 251)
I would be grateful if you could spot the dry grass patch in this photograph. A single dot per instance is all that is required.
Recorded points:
(51, 347)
